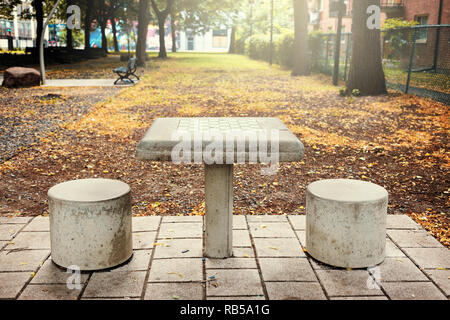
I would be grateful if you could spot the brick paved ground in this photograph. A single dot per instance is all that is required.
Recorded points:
(268, 263)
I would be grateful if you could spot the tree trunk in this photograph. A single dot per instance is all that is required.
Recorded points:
(301, 58)
(366, 70)
(38, 8)
(232, 48)
(104, 39)
(87, 26)
(69, 37)
(162, 16)
(174, 32)
(143, 20)
(162, 40)
(114, 30)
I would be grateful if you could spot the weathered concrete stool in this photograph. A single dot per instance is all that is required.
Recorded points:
(90, 223)
(346, 222)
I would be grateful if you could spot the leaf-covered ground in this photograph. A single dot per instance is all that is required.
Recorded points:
(397, 141)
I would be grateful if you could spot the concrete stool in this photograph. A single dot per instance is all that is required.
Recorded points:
(346, 222)
(90, 223)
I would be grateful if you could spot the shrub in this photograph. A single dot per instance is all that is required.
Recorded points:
(284, 50)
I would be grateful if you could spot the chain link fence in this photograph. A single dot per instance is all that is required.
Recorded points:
(415, 59)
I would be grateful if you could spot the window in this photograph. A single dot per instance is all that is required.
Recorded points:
(422, 34)
(220, 38)
(5, 27)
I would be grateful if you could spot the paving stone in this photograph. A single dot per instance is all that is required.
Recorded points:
(50, 273)
(392, 251)
(181, 230)
(14, 220)
(298, 222)
(243, 252)
(267, 218)
(241, 238)
(295, 291)
(317, 265)
(176, 248)
(347, 283)
(26, 260)
(399, 269)
(38, 224)
(360, 298)
(30, 240)
(301, 234)
(49, 292)
(139, 262)
(412, 291)
(145, 223)
(271, 230)
(244, 282)
(441, 278)
(395, 221)
(8, 231)
(176, 270)
(239, 222)
(143, 240)
(181, 219)
(430, 258)
(231, 263)
(115, 284)
(276, 247)
(11, 283)
(286, 269)
(174, 291)
(122, 298)
(413, 239)
(237, 298)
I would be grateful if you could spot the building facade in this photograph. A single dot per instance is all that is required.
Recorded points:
(425, 12)
(21, 31)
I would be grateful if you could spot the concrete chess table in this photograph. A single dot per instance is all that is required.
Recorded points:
(239, 140)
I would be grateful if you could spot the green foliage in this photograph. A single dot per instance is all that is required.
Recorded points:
(258, 47)
(396, 38)
(397, 23)
(284, 50)
(356, 93)
(77, 37)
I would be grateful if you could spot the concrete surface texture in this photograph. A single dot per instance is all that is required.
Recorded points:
(90, 223)
(346, 222)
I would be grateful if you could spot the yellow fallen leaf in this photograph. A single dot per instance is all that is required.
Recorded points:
(176, 273)
(273, 248)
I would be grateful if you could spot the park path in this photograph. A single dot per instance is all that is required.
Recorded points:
(397, 141)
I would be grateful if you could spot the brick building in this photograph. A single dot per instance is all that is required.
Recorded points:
(425, 12)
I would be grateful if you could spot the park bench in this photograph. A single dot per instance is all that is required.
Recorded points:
(125, 73)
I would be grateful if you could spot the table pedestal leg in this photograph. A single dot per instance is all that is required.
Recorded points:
(219, 210)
